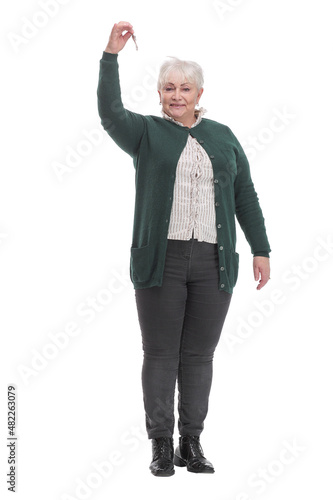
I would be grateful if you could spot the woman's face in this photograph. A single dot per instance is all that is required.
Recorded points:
(179, 98)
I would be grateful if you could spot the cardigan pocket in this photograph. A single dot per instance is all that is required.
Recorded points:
(233, 268)
(140, 263)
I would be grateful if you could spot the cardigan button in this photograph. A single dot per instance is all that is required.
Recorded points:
(222, 285)
(212, 157)
(222, 268)
(219, 226)
(217, 204)
(216, 181)
(201, 141)
(221, 247)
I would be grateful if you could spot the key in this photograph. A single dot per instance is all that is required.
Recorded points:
(134, 40)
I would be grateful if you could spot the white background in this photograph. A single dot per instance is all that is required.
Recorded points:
(65, 239)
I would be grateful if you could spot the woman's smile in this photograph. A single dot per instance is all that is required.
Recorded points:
(179, 98)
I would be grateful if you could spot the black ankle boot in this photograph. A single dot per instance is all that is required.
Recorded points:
(190, 454)
(162, 463)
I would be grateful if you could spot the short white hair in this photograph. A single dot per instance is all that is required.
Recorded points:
(189, 70)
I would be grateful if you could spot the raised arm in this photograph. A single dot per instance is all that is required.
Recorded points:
(125, 127)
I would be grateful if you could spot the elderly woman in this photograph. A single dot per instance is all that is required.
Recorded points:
(192, 177)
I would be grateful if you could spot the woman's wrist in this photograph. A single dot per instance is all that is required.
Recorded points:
(109, 56)
(108, 50)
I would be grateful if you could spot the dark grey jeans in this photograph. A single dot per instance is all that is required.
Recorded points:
(181, 324)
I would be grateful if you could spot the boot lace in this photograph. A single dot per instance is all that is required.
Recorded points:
(162, 447)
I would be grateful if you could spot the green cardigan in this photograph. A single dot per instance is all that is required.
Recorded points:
(155, 145)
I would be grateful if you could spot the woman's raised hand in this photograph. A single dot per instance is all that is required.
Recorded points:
(117, 41)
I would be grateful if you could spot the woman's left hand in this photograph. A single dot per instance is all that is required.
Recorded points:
(261, 268)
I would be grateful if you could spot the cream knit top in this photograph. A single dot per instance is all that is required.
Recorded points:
(193, 210)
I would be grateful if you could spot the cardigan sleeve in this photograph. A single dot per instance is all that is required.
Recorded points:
(125, 127)
(247, 207)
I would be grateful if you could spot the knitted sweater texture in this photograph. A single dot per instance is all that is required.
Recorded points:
(155, 145)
